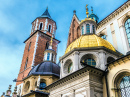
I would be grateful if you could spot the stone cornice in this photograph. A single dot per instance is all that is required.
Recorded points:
(113, 14)
(88, 49)
(38, 31)
(74, 75)
(118, 61)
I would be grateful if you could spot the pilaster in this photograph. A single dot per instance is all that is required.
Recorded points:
(76, 61)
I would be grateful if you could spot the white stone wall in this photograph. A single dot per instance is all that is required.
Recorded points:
(119, 29)
(100, 56)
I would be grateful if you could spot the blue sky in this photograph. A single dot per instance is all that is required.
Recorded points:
(15, 26)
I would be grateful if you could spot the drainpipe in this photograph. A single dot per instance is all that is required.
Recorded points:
(107, 87)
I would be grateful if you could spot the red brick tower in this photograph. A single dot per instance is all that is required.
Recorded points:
(43, 28)
(74, 31)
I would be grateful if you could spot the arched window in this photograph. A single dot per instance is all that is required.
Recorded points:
(87, 29)
(42, 85)
(90, 61)
(29, 46)
(27, 86)
(124, 87)
(48, 56)
(110, 59)
(127, 28)
(26, 63)
(82, 30)
(93, 29)
(40, 26)
(47, 45)
(70, 67)
(45, 56)
(52, 57)
(103, 36)
(49, 28)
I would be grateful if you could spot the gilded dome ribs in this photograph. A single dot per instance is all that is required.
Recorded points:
(88, 41)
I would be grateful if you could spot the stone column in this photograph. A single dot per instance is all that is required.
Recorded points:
(76, 61)
(91, 29)
(84, 29)
(102, 60)
(32, 84)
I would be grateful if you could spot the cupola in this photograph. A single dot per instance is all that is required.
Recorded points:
(93, 16)
(89, 24)
(50, 54)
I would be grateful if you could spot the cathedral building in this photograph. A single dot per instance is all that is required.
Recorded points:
(96, 62)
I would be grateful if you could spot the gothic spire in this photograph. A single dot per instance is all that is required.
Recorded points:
(46, 14)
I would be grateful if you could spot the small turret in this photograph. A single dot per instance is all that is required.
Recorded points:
(88, 25)
(93, 16)
(44, 23)
(50, 54)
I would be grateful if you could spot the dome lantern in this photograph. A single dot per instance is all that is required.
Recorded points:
(89, 24)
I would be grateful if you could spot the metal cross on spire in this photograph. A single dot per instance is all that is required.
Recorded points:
(87, 10)
(92, 9)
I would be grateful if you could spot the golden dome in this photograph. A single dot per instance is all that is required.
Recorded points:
(89, 41)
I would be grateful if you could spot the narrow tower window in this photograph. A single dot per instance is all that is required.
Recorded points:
(93, 29)
(82, 30)
(127, 28)
(26, 63)
(52, 57)
(48, 56)
(29, 46)
(40, 26)
(49, 28)
(47, 45)
(87, 29)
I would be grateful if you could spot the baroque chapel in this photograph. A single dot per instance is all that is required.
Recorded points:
(96, 62)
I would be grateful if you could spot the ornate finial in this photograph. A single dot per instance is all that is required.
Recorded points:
(15, 92)
(9, 91)
(74, 11)
(15, 89)
(47, 7)
(87, 10)
(10, 87)
(3, 93)
(52, 39)
(92, 9)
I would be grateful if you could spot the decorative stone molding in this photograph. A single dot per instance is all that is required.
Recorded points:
(113, 14)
